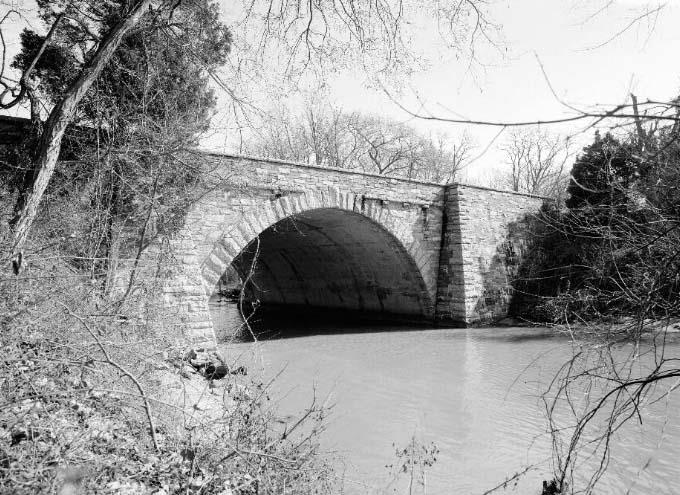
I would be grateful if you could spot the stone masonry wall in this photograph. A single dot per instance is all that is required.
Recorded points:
(246, 196)
(484, 240)
(252, 194)
(464, 241)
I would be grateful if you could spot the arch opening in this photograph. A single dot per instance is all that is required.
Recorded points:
(327, 266)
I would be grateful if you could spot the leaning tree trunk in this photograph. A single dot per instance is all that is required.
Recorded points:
(53, 132)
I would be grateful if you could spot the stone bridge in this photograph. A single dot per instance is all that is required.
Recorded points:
(314, 237)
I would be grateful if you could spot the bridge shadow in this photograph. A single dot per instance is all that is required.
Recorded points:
(510, 288)
(289, 321)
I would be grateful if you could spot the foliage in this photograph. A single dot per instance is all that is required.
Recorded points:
(97, 399)
(54, 68)
(154, 92)
(603, 174)
(614, 249)
(95, 394)
(151, 101)
(609, 262)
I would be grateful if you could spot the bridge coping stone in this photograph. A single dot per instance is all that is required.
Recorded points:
(236, 156)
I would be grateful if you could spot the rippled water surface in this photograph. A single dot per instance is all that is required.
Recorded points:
(475, 393)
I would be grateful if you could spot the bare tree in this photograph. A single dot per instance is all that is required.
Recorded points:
(397, 149)
(282, 46)
(318, 135)
(536, 160)
(387, 147)
(327, 136)
(375, 36)
(446, 157)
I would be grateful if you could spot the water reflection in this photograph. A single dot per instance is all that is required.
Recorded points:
(475, 393)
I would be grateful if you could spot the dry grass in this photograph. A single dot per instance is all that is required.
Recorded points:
(96, 401)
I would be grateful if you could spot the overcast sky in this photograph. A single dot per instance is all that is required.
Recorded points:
(592, 52)
(584, 65)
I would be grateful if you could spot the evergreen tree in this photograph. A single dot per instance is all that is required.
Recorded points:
(151, 102)
(603, 174)
(615, 249)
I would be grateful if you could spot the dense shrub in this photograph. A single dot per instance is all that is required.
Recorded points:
(614, 248)
(83, 383)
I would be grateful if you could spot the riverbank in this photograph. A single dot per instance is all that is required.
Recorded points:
(97, 399)
(184, 434)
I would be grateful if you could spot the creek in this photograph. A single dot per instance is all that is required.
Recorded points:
(475, 393)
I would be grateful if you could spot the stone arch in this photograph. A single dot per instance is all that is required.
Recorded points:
(257, 220)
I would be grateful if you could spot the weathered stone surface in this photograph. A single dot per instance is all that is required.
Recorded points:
(338, 239)
(484, 240)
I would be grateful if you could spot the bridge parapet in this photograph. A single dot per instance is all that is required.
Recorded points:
(282, 177)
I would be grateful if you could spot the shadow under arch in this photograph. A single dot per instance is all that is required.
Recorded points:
(331, 264)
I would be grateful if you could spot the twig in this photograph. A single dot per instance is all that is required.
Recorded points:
(110, 361)
(510, 479)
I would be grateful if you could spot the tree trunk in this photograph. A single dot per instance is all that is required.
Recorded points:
(28, 154)
(61, 115)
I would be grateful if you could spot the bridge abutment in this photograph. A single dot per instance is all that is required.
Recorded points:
(484, 238)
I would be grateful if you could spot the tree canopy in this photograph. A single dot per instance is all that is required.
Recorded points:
(152, 99)
(603, 173)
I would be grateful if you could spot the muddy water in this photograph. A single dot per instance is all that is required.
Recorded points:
(475, 393)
